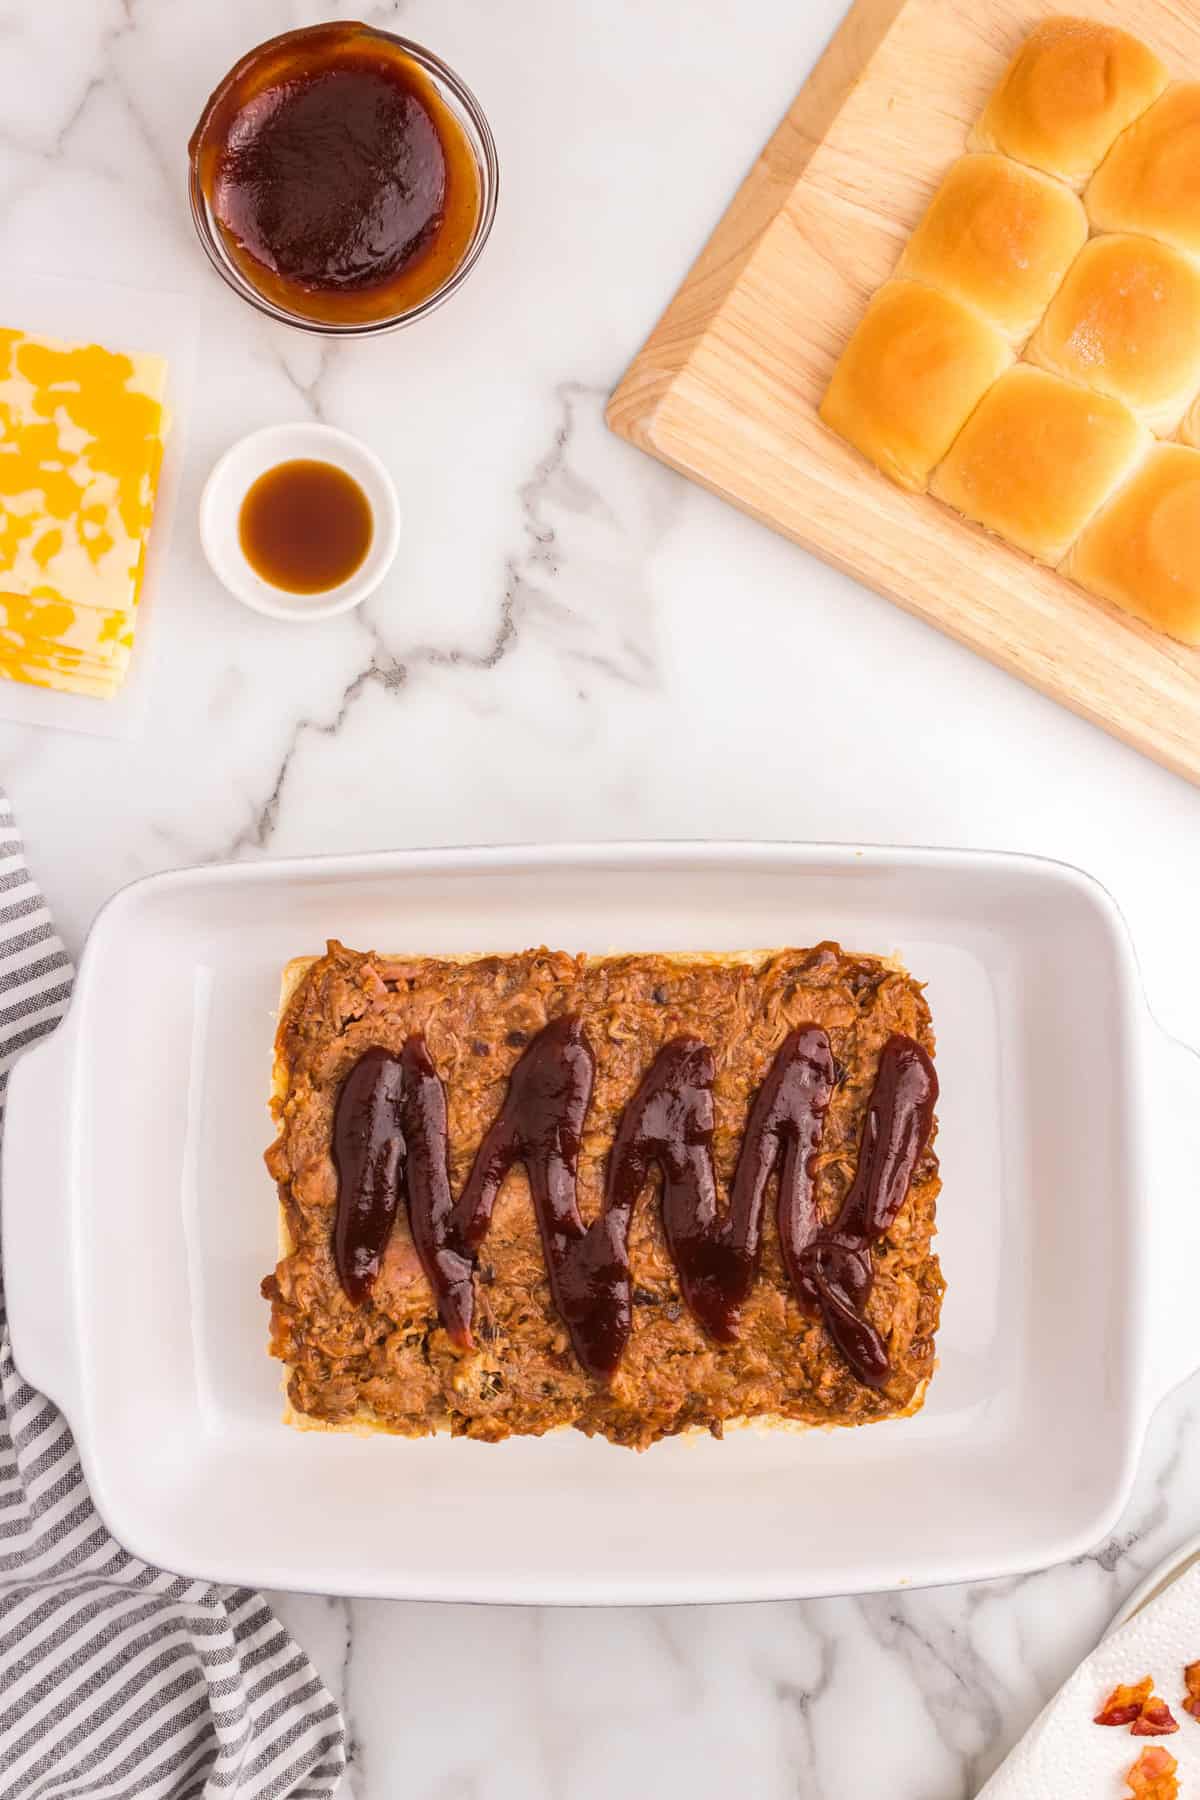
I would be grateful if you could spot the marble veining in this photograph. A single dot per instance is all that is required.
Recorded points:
(573, 643)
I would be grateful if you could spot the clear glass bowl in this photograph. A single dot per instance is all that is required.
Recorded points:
(462, 103)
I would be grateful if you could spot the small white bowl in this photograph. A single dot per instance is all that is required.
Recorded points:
(238, 470)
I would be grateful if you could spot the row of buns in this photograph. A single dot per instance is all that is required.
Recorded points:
(1056, 452)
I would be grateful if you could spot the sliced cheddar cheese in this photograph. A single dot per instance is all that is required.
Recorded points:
(33, 675)
(81, 442)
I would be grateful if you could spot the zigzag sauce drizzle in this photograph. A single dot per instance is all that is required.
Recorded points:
(390, 1139)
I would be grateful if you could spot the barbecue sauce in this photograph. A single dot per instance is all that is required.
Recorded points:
(669, 1125)
(367, 1147)
(342, 184)
(833, 1272)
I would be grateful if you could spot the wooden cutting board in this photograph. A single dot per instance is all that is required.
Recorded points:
(726, 388)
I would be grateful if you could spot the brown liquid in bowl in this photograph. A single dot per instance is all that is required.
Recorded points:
(305, 526)
(343, 186)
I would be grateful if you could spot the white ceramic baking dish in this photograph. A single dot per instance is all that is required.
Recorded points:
(138, 1220)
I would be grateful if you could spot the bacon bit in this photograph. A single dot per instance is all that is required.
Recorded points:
(1191, 1681)
(1125, 1704)
(1155, 1720)
(1152, 1776)
(1140, 1708)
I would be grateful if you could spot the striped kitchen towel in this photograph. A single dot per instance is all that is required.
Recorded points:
(117, 1679)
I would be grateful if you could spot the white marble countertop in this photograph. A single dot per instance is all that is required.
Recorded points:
(574, 643)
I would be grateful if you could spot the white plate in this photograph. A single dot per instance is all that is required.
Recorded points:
(1168, 1572)
(138, 1221)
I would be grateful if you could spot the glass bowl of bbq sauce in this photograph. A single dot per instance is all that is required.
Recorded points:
(343, 180)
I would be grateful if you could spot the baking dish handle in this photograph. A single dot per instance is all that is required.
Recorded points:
(39, 1241)
(1174, 1323)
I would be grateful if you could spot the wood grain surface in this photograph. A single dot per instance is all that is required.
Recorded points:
(727, 386)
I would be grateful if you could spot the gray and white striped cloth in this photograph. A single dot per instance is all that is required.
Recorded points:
(117, 1679)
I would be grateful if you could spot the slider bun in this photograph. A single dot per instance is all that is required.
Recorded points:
(914, 370)
(1126, 322)
(1189, 431)
(1142, 552)
(1150, 180)
(1038, 458)
(1072, 87)
(999, 237)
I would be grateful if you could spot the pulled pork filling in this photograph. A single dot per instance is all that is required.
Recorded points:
(387, 1361)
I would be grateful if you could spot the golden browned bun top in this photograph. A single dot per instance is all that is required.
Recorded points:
(1071, 89)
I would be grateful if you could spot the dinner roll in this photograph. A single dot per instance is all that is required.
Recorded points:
(909, 378)
(1071, 88)
(1126, 322)
(1000, 237)
(1189, 431)
(1142, 551)
(1038, 458)
(1150, 179)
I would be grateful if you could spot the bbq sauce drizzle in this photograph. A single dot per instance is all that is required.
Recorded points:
(390, 1139)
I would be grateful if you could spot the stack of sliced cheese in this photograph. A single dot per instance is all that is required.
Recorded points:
(81, 441)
